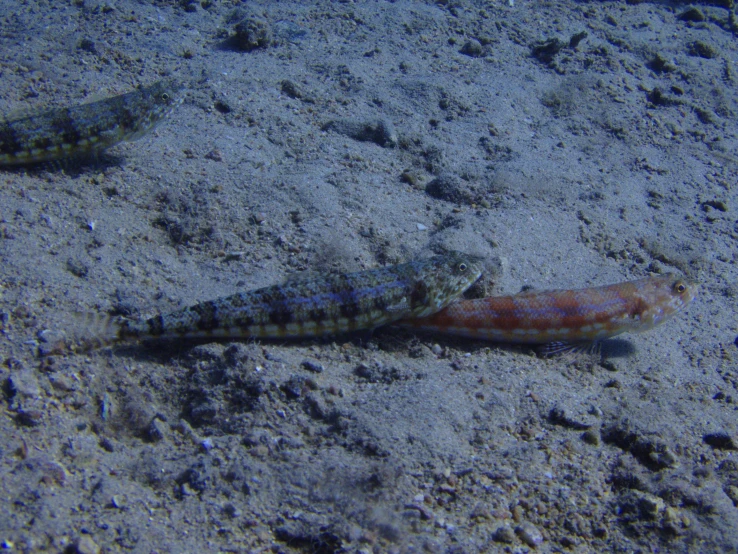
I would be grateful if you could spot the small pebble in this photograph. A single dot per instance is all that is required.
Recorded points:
(214, 155)
(252, 33)
(472, 48)
(381, 132)
(61, 382)
(49, 336)
(504, 534)
(529, 534)
(591, 437)
(24, 384)
(106, 407)
(85, 545)
(310, 365)
(231, 511)
(157, 430)
(650, 506)
(30, 418)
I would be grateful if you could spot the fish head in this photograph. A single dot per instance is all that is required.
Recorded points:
(451, 274)
(156, 103)
(664, 296)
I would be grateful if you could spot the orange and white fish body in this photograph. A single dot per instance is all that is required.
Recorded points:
(564, 316)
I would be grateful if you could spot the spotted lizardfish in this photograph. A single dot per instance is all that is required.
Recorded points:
(86, 130)
(329, 305)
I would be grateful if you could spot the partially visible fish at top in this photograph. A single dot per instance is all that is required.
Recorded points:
(86, 130)
(329, 305)
(563, 319)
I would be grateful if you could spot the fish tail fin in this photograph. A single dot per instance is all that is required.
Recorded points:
(89, 331)
(95, 330)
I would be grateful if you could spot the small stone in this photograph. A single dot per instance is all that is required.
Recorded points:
(450, 188)
(310, 365)
(83, 449)
(85, 545)
(529, 534)
(62, 383)
(437, 350)
(691, 14)
(480, 511)
(291, 89)
(504, 534)
(252, 33)
(49, 336)
(30, 418)
(409, 177)
(49, 472)
(425, 513)
(106, 407)
(223, 107)
(650, 506)
(562, 416)
(720, 440)
(668, 458)
(77, 267)
(702, 49)
(231, 511)
(24, 384)
(472, 48)
(546, 51)
(670, 515)
(591, 437)
(214, 155)
(732, 492)
(501, 473)
(381, 132)
(157, 430)
(119, 501)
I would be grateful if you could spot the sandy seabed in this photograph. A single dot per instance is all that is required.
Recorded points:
(570, 143)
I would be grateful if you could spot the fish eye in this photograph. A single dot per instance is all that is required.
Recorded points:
(680, 287)
(462, 267)
(165, 96)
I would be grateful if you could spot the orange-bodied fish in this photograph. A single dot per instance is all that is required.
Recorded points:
(559, 318)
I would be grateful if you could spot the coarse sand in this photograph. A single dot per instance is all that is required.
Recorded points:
(571, 143)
